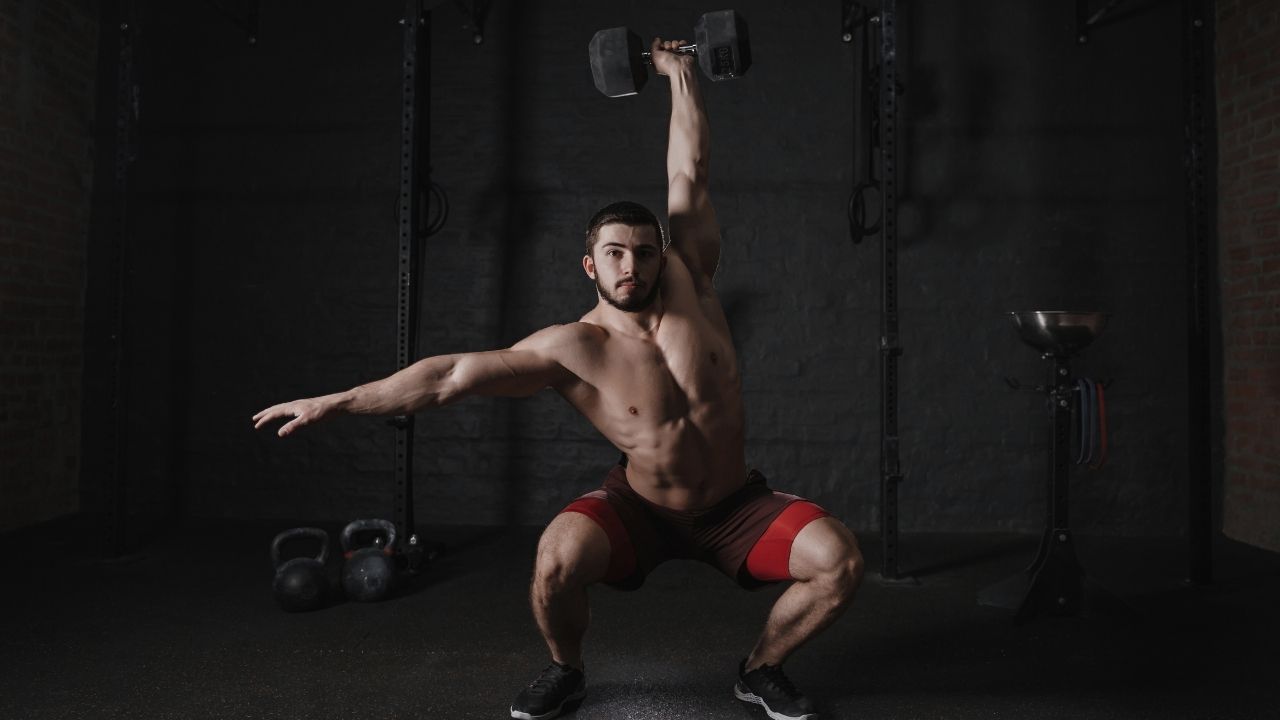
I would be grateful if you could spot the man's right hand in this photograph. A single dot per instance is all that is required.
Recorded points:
(303, 412)
(665, 59)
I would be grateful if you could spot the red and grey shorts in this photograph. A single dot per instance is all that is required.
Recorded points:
(746, 536)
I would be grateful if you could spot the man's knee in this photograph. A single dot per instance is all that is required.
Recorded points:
(827, 552)
(850, 570)
(843, 573)
(573, 552)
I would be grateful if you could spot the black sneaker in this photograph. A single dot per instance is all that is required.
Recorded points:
(770, 688)
(546, 697)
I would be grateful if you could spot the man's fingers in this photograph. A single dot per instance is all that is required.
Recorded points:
(289, 426)
(273, 413)
(262, 418)
(299, 412)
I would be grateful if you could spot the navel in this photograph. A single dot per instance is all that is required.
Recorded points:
(714, 358)
(633, 410)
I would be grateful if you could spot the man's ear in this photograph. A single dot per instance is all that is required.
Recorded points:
(589, 266)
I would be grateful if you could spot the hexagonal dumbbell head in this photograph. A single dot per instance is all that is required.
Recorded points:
(617, 64)
(724, 50)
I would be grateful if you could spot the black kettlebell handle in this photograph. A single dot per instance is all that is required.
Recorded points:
(316, 533)
(385, 526)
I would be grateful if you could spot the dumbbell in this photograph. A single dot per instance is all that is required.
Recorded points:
(720, 41)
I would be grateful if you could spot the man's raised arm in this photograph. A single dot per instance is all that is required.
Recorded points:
(519, 371)
(694, 231)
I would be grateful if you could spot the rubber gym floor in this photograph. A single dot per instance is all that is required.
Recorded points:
(186, 627)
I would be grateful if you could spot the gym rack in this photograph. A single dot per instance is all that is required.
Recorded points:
(104, 432)
(879, 85)
(1197, 38)
(415, 188)
(1201, 249)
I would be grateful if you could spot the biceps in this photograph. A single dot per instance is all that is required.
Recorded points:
(506, 373)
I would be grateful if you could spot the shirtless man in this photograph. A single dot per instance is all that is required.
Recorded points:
(652, 366)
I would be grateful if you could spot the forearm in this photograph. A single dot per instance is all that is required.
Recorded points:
(519, 371)
(424, 384)
(688, 144)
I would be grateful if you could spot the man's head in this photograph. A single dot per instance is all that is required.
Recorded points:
(624, 255)
(626, 213)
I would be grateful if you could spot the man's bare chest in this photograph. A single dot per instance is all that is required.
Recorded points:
(684, 368)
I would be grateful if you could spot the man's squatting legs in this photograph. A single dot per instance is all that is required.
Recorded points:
(573, 553)
(827, 566)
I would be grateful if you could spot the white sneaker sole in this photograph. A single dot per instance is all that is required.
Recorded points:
(745, 695)
(550, 713)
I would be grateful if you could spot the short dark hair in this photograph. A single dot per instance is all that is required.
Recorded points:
(626, 213)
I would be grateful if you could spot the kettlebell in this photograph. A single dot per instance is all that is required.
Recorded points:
(300, 583)
(369, 573)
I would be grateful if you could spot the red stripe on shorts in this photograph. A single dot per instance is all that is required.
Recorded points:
(770, 558)
(622, 557)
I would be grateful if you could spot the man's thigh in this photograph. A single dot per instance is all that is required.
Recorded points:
(576, 547)
(606, 520)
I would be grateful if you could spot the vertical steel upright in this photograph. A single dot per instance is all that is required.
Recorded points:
(414, 158)
(1056, 585)
(114, 471)
(890, 350)
(1196, 39)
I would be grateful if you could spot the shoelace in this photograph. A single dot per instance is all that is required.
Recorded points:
(774, 675)
(547, 681)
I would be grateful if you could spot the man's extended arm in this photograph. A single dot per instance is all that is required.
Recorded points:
(694, 231)
(522, 370)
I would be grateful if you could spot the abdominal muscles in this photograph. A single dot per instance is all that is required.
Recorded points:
(682, 460)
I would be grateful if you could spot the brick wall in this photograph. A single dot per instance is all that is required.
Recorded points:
(48, 54)
(1248, 87)
(1036, 173)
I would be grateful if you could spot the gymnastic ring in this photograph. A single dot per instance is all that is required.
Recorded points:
(858, 212)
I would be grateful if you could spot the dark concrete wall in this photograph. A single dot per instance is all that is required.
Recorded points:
(1038, 174)
(48, 56)
(1249, 115)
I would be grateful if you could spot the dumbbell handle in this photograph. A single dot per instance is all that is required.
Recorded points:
(682, 50)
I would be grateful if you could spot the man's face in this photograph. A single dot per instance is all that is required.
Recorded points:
(626, 264)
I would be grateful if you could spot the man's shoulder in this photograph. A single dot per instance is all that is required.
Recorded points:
(582, 331)
(568, 335)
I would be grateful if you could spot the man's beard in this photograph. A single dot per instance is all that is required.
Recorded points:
(636, 304)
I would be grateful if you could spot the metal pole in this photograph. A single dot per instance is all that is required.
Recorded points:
(890, 469)
(115, 469)
(1199, 246)
(414, 148)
